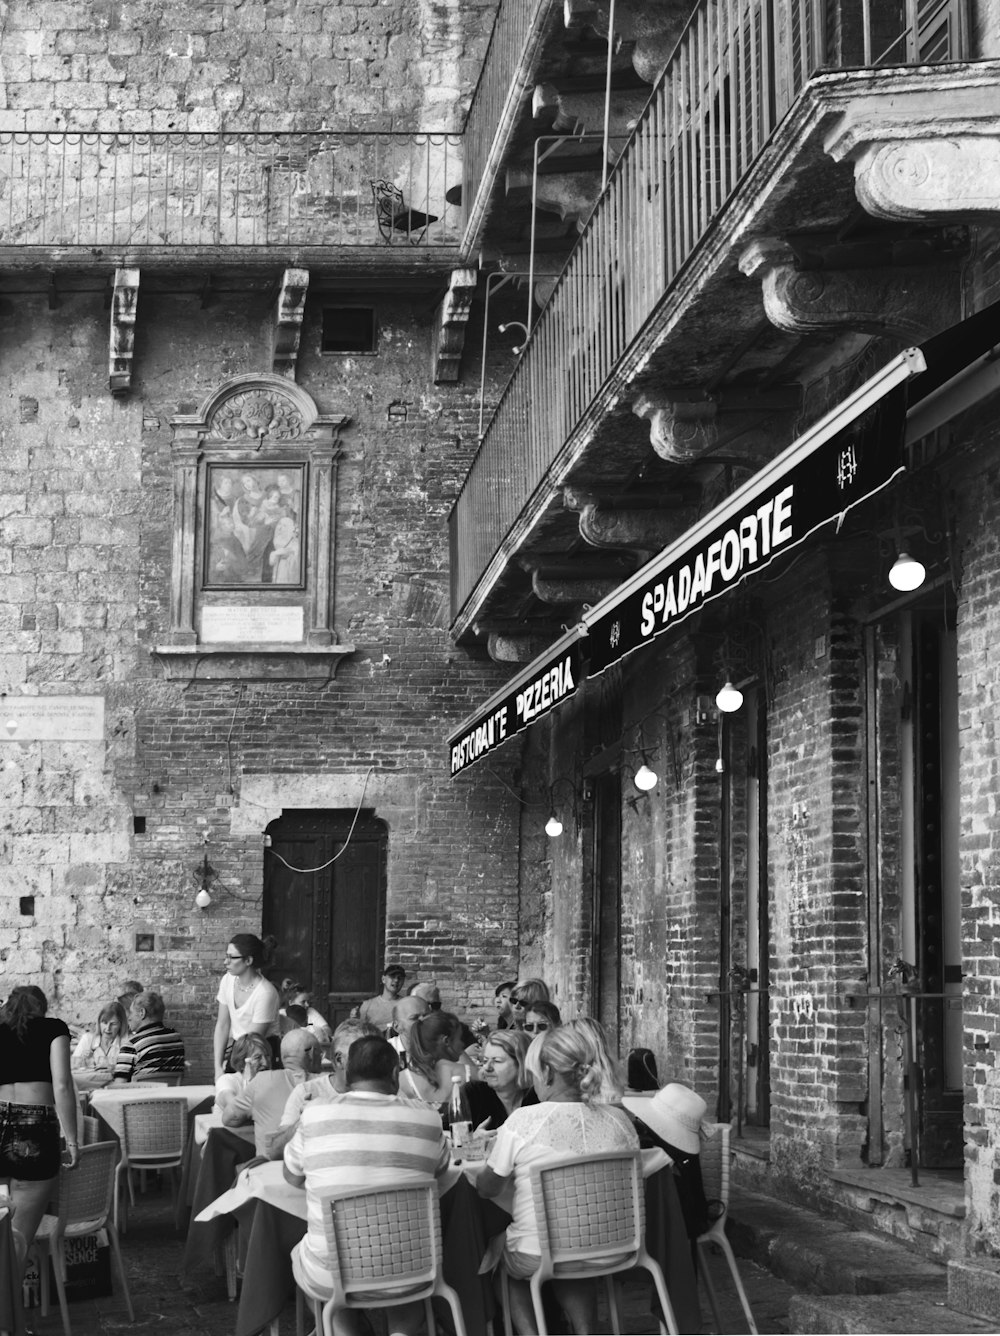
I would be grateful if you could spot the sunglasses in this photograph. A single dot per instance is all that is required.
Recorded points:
(517, 1002)
(229, 957)
(537, 1027)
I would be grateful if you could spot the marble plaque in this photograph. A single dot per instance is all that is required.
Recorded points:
(270, 625)
(52, 719)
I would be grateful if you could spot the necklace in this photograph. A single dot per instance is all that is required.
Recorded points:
(247, 989)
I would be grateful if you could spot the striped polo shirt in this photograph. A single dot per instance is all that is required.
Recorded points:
(152, 1050)
(361, 1139)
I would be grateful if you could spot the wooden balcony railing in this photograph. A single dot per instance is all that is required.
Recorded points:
(317, 188)
(737, 69)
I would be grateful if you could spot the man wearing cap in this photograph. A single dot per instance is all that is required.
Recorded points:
(673, 1120)
(378, 1010)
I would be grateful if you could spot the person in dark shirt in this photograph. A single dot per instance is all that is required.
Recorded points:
(151, 1049)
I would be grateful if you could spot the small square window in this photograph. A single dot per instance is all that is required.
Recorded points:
(139, 825)
(349, 329)
(27, 905)
(145, 941)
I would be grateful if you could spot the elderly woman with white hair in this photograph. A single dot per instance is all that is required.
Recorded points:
(576, 1081)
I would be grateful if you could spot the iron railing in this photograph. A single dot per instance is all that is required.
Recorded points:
(501, 86)
(315, 188)
(735, 72)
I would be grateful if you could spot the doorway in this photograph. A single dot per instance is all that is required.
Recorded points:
(324, 902)
(607, 904)
(930, 897)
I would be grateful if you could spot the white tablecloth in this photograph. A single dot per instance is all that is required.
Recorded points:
(108, 1103)
(267, 1183)
(204, 1122)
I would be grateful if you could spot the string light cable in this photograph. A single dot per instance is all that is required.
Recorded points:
(343, 848)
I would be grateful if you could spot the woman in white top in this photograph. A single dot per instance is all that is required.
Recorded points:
(248, 1003)
(96, 1052)
(573, 1072)
(434, 1054)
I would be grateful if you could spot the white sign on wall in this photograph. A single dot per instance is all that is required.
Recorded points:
(52, 719)
(274, 624)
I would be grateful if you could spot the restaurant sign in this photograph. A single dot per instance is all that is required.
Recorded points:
(847, 456)
(539, 688)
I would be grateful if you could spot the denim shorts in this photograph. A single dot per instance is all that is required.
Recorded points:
(29, 1141)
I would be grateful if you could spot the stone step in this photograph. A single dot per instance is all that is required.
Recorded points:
(974, 1287)
(824, 1256)
(904, 1311)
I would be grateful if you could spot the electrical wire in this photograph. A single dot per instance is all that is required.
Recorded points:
(343, 847)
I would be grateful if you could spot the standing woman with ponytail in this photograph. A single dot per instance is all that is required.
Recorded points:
(574, 1081)
(248, 1003)
(36, 1097)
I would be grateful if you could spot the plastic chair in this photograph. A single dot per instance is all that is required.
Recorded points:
(383, 1249)
(715, 1177)
(154, 1134)
(591, 1216)
(86, 1194)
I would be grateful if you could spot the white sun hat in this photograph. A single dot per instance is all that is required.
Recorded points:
(674, 1113)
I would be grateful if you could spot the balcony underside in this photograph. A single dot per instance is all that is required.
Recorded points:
(709, 338)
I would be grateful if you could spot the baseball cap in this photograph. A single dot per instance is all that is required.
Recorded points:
(394, 969)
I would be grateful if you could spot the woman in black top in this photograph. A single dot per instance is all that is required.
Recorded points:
(36, 1096)
(504, 1084)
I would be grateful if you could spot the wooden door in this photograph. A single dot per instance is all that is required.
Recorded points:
(324, 902)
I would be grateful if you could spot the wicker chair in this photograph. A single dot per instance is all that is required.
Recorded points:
(384, 1248)
(591, 1217)
(715, 1177)
(86, 1194)
(154, 1134)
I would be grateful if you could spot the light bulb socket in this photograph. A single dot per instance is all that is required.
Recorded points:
(907, 573)
(645, 778)
(729, 699)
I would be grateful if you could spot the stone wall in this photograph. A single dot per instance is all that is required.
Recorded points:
(86, 533)
(258, 65)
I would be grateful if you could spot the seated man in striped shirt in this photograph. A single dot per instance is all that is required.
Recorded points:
(368, 1137)
(151, 1049)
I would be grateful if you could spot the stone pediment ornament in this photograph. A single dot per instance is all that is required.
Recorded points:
(264, 408)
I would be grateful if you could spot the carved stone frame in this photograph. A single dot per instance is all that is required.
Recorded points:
(259, 419)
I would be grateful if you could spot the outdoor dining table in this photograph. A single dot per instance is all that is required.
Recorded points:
(213, 1167)
(11, 1308)
(107, 1103)
(272, 1215)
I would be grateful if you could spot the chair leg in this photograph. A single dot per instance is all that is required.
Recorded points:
(535, 1286)
(666, 1307)
(428, 1317)
(709, 1284)
(117, 1250)
(616, 1325)
(454, 1303)
(42, 1247)
(508, 1326)
(59, 1267)
(229, 1262)
(724, 1244)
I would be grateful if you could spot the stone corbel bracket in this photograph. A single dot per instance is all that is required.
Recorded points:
(515, 648)
(124, 302)
(647, 530)
(288, 312)
(452, 321)
(927, 156)
(679, 431)
(910, 302)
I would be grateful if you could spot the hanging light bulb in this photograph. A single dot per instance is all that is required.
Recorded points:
(907, 573)
(729, 699)
(203, 899)
(645, 778)
(720, 766)
(553, 826)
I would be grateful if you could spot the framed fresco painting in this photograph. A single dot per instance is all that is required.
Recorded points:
(254, 525)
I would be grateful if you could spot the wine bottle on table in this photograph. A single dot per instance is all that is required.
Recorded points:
(459, 1116)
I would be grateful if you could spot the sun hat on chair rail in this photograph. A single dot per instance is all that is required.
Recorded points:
(674, 1113)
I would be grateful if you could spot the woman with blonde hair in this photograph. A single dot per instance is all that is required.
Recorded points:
(504, 1084)
(575, 1117)
(96, 1052)
(250, 1054)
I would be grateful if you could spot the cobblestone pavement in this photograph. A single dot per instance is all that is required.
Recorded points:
(196, 1305)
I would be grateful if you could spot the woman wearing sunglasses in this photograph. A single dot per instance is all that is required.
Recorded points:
(541, 1016)
(525, 993)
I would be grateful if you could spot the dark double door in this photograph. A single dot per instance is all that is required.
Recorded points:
(324, 903)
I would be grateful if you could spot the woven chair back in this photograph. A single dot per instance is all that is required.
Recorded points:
(154, 1128)
(591, 1206)
(391, 1236)
(86, 1192)
(715, 1163)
